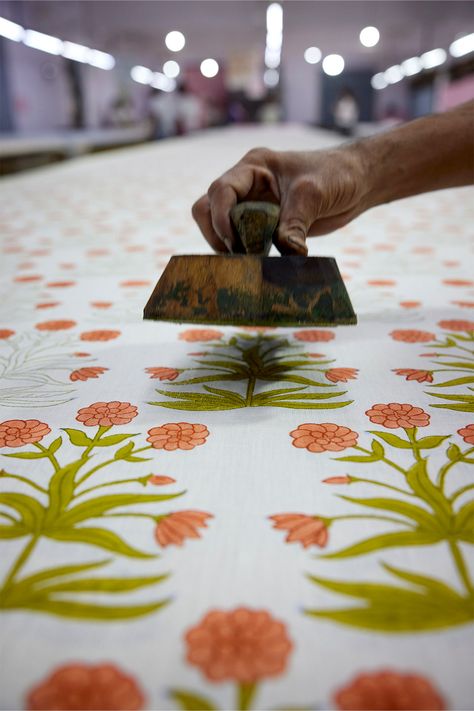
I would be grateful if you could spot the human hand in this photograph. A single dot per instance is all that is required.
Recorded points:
(318, 192)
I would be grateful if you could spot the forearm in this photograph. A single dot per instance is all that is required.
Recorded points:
(430, 153)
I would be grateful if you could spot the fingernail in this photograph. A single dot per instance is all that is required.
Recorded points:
(297, 241)
(228, 243)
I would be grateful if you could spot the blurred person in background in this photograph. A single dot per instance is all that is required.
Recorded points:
(346, 112)
(190, 111)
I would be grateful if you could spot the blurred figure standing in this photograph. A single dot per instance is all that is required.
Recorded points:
(164, 113)
(346, 113)
(190, 111)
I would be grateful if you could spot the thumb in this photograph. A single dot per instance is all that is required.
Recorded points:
(295, 220)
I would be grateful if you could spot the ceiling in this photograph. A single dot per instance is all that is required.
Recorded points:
(134, 30)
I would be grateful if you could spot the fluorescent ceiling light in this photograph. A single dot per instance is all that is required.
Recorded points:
(333, 65)
(45, 43)
(162, 82)
(369, 36)
(101, 60)
(272, 58)
(411, 66)
(393, 74)
(10, 30)
(433, 58)
(312, 55)
(175, 41)
(459, 47)
(209, 68)
(271, 78)
(171, 69)
(378, 81)
(275, 18)
(140, 74)
(76, 52)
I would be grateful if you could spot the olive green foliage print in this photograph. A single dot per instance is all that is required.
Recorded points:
(423, 508)
(69, 507)
(252, 362)
(456, 358)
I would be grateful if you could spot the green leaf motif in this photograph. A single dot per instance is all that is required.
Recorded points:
(99, 505)
(392, 439)
(389, 608)
(415, 513)
(26, 455)
(100, 537)
(90, 611)
(398, 539)
(422, 486)
(55, 445)
(77, 437)
(453, 453)
(431, 442)
(113, 439)
(31, 511)
(452, 383)
(188, 701)
(377, 449)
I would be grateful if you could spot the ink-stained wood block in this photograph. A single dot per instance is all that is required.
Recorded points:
(251, 290)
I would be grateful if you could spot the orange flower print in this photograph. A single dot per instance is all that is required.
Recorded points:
(55, 325)
(458, 282)
(177, 435)
(412, 336)
(395, 415)
(175, 528)
(387, 689)
(307, 530)
(6, 333)
(337, 480)
(464, 304)
(421, 376)
(47, 304)
(60, 284)
(103, 335)
(241, 645)
(160, 480)
(81, 354)
(314, 355)
(323, 437)
(381, 282)
(16, 433)
(467, 433)
(200, 334)
(457, 325)
(87, 373)
(136, 282)
(27, 278)
(83, 687)
(341, 375)
(101, 304)
(162, 373)
(314, 335)
(410, 304)
(106, 414)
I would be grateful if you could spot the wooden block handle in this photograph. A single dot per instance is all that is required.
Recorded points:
(255, 224)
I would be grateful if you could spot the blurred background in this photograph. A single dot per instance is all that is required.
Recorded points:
(81, 76)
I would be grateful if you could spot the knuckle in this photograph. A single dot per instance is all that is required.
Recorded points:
(258, 155)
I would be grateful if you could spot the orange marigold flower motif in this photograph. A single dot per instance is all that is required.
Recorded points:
(457, 325)
(314, 335)
(80, 354)
(27, 278)
(160, 479)
(163, 373)
(101, 304)
(47, 304)
(467, 433)
(464, 304)
(337, 480)
(323, 437)
(87, 373)
(200, 334)
(388, 689)
(341, 375)
(458, 282)
(177, 435)
(103, 335)
(88, 688)
(55, 325)
(241, 645)
(60, 284)
(135, 282)
(6, 333)
(307, 530)
(106, 414)
(381, 282)
(174, 528)
(412, 336)
(422, 376)
(394, 414)
(410, 304)
(16, 433)
(314, 355)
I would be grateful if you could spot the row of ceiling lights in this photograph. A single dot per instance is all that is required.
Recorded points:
(428, 60)
(333, 64)
(53, 45)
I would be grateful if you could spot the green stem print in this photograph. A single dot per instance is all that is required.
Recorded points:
(455, 366)
(425, 509)
(71, 508)
(252, 362)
